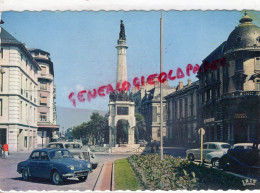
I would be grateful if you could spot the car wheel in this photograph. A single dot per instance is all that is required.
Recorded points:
(56, 178)
(215, 162)
(25, 174)
(191, 157)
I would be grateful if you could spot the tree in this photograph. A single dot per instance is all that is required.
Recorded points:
(93, 130)
(140, 131)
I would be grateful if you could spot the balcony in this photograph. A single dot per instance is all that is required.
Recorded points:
(46, 76)
(237, 94)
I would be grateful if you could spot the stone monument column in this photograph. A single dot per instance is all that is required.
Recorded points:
(121, 105)
(121, 47)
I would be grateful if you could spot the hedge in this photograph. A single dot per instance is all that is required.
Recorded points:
(175, 173)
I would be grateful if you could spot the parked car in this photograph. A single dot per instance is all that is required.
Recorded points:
(77, 151)
(212, 152)
(56, 164)
(241, 157)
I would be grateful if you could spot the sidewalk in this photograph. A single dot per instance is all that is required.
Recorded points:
(105, 181)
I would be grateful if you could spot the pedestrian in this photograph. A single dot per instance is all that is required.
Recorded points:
(5, 148)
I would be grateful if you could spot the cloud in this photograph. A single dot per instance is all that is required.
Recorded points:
(79, 87)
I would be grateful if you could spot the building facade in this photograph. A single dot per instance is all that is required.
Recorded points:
(182, 115)
(18, 94)
(46, 113)
(230, 87)
(147, 102)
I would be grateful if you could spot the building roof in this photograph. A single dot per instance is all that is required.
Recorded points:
(38, 50)
(42, 60)
(184, 89)
(7, 39)
(245, 35)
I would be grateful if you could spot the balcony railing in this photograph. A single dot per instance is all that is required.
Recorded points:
(48, 76)
(241, 93)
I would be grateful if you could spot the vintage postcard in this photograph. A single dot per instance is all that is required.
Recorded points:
(97, 100)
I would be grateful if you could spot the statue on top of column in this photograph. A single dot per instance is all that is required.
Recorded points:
(122, 31)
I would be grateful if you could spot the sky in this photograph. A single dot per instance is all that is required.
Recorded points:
(82, 44)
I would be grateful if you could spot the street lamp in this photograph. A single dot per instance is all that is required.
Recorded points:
(161, 69)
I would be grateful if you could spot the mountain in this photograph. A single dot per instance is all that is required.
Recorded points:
(69, 117)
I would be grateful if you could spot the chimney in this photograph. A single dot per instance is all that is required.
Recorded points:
(180, 85)
(189, 82)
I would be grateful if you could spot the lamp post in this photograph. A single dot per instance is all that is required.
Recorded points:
(161, 69)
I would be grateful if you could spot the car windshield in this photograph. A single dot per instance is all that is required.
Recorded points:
(225, 146)
(72, 146)
(59, 154)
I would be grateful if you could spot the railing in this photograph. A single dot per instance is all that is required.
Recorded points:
(241, 93)
(43, 75)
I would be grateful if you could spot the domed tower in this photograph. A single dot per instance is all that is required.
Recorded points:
(243, 51)
(230, 87)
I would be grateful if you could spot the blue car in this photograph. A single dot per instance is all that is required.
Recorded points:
(55, 164)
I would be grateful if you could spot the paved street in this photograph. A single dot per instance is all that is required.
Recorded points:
(11, 180)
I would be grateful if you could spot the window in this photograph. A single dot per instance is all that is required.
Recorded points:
(212, 146)
(43, 69)
(1, 107)
(21, 110)
(21, 83)
(175, 109)
(257, 64)
(239, 65)
(258, 85)
(225, 146)
(26, 82)
(186, 107)
(180, 108)
(205, 146)
(35, 155)
(154, 114)
(34, 114)
(2, 53)
(191, 105)
(25, 141)
(43, 86)
(239, 147)
(43, 117)
(122, 110)
(164, 113)
(44, 156)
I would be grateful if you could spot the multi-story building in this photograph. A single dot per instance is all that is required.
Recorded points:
(182, 114)
(147, 101)
(230, 87)
(18, 94)
(46, 92)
